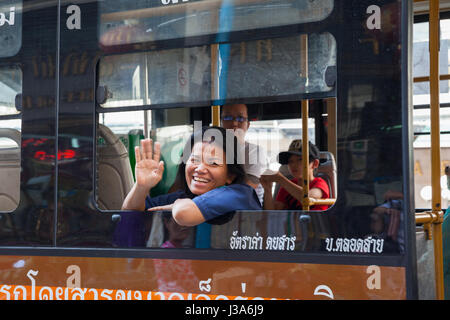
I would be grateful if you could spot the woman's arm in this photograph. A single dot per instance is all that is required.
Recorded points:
(135, 199)
(215, 203)
(148, 171)
(186, 213)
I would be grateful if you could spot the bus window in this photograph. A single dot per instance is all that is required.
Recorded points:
(172, 127)
(170, 87)
(158, 77)
(10, 27)
(277, 71)
(124, 23)
(422, 156)
(123, 76)
(421, 113)
(10, 136)
(421, 63)
(188, 75)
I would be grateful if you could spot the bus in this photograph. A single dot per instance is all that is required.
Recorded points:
(83, 82)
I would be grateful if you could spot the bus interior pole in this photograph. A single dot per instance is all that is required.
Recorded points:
(215, 110)
(305, 112)
(215, 94)
(305, 155)
(435, 145)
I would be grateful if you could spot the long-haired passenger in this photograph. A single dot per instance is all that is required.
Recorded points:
(212, 181)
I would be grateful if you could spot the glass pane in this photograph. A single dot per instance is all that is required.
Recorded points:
(275, 65)
(422, 172)
(422, 157)
(184, 75)
(179, 75)
(421, 62)
(421, 92)
(121, 122)
(10, 27)
(421, 54)
(125, 22)
(123, 77)
(421, 58)
(276, 135)
(421, 123)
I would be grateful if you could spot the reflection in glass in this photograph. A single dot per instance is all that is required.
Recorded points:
(274, 68)
(166, 233)
(10, 136)
(124, 80)
(123, 22)
(386, 223)
(10, 147)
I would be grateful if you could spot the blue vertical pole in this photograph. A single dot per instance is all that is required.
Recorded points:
(226, 16)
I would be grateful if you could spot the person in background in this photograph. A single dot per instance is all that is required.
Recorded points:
(235, 117)
(289, 196)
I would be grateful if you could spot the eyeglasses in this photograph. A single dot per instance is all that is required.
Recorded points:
(231, 118)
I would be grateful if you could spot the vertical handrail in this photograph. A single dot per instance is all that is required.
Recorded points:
(215, 110)
(215, 113)
(435, 145)
(305, 113)
(305, 155)
(215, 95)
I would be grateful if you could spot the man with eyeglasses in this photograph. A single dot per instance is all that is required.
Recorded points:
(235, 117)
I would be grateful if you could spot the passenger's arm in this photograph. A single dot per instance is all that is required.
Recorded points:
(148, 173)
(294, 189)
(269, 202)
(315, 193)
(186, 213)
(135, 199)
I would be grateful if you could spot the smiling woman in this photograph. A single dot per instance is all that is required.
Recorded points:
(212, 185)
(206, 168)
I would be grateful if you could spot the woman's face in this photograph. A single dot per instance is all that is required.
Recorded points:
(206, 168)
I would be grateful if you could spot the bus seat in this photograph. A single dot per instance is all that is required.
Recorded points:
(114, 175)
(10, 171)
(327, 171)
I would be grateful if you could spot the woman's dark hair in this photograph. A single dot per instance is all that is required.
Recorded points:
(219, 137)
